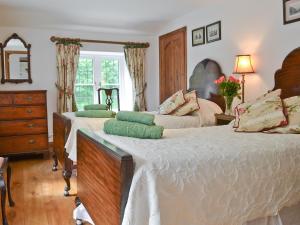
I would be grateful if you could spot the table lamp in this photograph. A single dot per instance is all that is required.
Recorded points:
(243, 66)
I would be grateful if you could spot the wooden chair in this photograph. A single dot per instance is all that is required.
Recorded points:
(4, 167)
(108, 92)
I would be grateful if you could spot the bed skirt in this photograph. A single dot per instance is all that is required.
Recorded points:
(287, 216)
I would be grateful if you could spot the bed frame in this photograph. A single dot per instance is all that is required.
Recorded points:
(201, 80)
(61, 130)
(105, 171)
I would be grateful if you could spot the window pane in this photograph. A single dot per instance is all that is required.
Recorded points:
(85, 71)
(84, 95)
(84, 90)
(110, 78)
(110, 72)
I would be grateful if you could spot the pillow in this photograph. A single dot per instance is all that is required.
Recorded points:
(262, 115)
(189, 106)
(172, 103)
(242, 108)
(207, 112)
(292, 107)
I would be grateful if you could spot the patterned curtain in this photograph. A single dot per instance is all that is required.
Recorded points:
(135, 60)
(67, 57)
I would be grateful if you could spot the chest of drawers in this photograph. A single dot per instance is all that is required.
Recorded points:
(23, 122)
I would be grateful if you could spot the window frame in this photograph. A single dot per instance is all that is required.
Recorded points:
(97, 58)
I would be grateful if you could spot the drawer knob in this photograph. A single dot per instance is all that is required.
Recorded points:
(31, 125)
(29, 111)
(31, 141)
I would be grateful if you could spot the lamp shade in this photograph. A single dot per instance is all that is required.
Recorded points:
(243, 64)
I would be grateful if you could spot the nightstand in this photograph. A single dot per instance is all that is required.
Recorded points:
(222, 119)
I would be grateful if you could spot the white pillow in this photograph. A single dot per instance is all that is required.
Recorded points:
(207, 112)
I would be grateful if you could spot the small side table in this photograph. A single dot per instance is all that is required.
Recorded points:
(4, 167)
(222, 119)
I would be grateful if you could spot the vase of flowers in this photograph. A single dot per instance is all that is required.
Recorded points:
(229, 88)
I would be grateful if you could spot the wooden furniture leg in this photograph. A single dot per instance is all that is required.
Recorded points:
(8, 180)
(3, 200)
(55, 162)
(67, 173)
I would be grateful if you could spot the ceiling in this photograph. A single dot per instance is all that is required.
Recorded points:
(127, 16)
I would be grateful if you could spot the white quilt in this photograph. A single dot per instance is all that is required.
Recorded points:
(96, 124)
(210, 176)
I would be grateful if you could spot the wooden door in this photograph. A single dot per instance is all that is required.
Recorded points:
(172, 63)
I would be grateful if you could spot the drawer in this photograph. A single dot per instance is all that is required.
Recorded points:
(6, 99)
(22, 112)
(21, 127)
(23, 144)
(30, 99)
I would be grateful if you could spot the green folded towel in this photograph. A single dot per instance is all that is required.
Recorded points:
(130, 129)
(138, 117)
(95, 107)
(96, 114)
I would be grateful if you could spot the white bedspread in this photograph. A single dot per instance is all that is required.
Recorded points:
(210, 176)
(96, 124)
(91, 124)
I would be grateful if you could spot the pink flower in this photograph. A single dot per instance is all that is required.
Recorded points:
(233, 79)
(220, 80)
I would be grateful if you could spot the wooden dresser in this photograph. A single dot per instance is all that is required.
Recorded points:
(23, 122)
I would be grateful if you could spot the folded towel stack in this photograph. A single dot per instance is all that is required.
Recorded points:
(133, 124)
(95, 107)
(95, 111)
(96, 114)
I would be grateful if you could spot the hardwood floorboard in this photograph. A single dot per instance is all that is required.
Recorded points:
(38, 195)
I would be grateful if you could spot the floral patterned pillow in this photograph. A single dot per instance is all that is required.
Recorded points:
(172, 103)
(263, 115)
(242, 108)
(190, 105)
(292, 106)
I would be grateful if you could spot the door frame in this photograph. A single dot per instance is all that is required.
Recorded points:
(184, 30)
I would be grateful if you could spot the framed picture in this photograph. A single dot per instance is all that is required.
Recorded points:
(198, 36)
(291, 11)
(213, 32)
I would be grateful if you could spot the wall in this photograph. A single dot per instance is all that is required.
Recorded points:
(248, 27)
(43, 62)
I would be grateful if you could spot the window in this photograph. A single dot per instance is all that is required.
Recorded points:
(106, 70)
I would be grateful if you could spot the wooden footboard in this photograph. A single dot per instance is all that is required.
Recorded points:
(104, 177)
(61, 131)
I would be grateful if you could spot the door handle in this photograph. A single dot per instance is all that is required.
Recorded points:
(29, 111)
(31, 125)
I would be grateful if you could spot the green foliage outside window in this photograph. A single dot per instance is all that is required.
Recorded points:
(84, 87)
(110, 79)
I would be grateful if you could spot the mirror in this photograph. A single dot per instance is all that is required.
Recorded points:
(15, 60)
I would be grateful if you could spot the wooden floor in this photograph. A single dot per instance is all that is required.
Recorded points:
(38, 195)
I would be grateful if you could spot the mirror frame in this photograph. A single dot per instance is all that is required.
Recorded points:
(27, 46)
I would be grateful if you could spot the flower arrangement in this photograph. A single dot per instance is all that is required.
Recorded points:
(229, 88)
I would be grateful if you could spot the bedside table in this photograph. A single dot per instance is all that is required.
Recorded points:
(222, 119)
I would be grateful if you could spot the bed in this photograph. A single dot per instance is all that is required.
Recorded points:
(127, 181)
(66, 125)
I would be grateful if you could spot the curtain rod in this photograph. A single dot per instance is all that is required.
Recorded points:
(55, 39)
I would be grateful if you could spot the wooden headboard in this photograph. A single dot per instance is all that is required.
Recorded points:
(288, 77)
(202, 80)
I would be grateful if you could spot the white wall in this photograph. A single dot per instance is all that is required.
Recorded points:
(43, 61)
(248, 27)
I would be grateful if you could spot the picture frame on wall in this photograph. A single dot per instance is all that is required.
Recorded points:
(213, 32)
(291, 11)
(198, 36)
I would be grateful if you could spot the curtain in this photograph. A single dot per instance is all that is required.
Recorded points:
(67, 57)
(135, 60)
